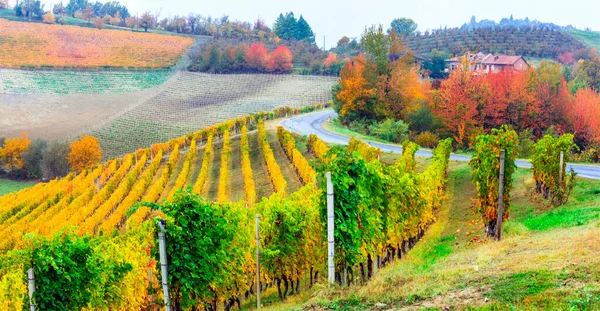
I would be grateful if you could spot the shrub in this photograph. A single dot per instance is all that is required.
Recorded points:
(49, 18)
(390, 130)
(427, 139)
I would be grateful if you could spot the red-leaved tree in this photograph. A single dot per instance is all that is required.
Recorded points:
(257, 57)
(584, 116)
(280, 60)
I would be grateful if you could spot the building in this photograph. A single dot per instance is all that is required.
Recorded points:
(482, 63)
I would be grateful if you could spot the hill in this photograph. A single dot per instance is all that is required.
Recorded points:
(129, 121)
(591, 38)
(98, 199)
(33, 45)
(531, 42)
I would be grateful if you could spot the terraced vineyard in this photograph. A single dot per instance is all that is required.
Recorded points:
(190, 101)
(529, 42)
(98, 199)
(13, 81)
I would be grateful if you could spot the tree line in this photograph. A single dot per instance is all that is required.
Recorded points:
(23, 158)
(380, 92)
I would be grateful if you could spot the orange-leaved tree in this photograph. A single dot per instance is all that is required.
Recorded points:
(280, 60)
(355, 89)
(330, 60)
(85, 153)
(584, 116)
(257, 57)
(11, 153)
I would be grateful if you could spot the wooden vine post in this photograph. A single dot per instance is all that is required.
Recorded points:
(31, 279)
(163, 263)
(560, 171)
(257, 262)
(330, 231)
(500, 197)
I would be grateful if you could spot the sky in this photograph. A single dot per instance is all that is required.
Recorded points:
(330, 20)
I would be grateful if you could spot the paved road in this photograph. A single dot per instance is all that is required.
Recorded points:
(312, 123)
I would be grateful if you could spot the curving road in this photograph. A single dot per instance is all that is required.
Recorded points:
(312, 123)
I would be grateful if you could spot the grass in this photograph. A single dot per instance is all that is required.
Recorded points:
(590, 38)
(548, 259)
(7, 186)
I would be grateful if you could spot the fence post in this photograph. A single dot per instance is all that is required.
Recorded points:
(560, 172)
(31, 279)
(257, 262)
(500, 197)
(330, 231)
(163, 263)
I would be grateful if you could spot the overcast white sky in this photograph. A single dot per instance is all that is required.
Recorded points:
(334, 19)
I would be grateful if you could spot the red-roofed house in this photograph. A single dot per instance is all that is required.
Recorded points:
(482, 63)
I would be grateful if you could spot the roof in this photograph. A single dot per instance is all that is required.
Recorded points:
(502, 60)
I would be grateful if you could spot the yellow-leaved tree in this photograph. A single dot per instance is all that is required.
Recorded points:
(12, 151)
(85, 153)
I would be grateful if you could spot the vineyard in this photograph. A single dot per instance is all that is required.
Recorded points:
(193, 100)
(28, 45)
(266, 171)
(529, 42)
(14, 81)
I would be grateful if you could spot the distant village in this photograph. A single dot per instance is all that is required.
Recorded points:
(486, 63)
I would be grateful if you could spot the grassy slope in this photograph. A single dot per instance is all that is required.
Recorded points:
(8, 186)
(591, 38)
(547, 261)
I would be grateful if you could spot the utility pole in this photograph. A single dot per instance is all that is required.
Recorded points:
(500, 197)
(330, 231)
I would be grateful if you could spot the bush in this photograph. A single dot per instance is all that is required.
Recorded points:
(525, 143)
(591, 154)
(390, 130)
(427, 139)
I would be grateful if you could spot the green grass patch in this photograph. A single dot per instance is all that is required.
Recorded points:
(514, 288)
(591, 38)
(562, 218)
(7, 186)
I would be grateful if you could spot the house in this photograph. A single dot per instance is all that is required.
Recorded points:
(485, 63)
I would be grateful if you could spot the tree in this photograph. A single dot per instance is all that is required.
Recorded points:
(32, 158)
(257, 57)
(49, 18)
(59, 9)
(458, 103)
(436, 64)
(355, 91)
(303, 31)
(131, 22)
(588, 71)
(584, 116)
(54, 160)
(11, 154)
(330, 60)
(99, 22)
(404, 27)
(147, 21)
(280, 60)
(343, 41)
(286, 27)
(85, 153)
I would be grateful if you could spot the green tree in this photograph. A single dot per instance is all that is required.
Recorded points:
(436, 64)
(304, 31)
(75, 6)
(403, 26)
(588, 72)
(286, 26)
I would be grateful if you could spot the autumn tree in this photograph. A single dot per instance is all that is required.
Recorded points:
(99, 23)
(355, 92)
(85, 153)
(147, 21)
(584, 116)
(11, 154)
(458, 103)
(257, 57)
(280, 60)
(49, 18)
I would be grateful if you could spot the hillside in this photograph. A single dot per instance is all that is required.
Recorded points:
(547, 261)
(127, 121)
(591, 38)
(530, 42)
(34, 45)
(99, 198)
